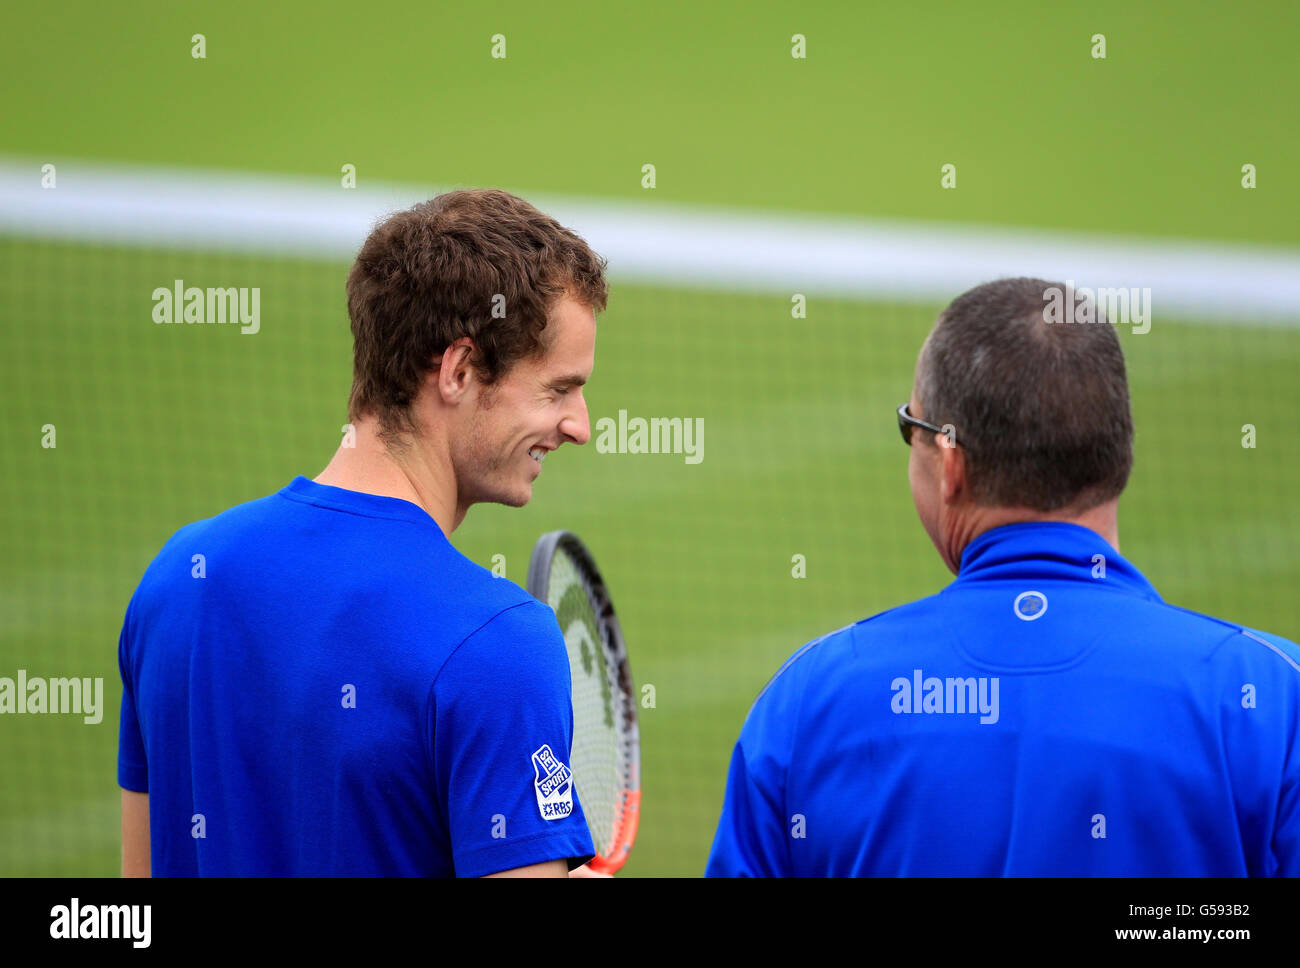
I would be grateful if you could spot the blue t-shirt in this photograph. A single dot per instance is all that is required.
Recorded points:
(318, 683)
(1046, 714)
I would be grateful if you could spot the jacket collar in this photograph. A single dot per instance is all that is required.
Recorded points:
(1050, 550)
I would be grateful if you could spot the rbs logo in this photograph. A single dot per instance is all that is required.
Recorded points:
(554, 785)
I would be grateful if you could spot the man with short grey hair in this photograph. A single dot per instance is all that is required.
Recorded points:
(1046, 713)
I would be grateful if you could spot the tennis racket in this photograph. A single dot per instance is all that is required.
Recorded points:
(606, 759)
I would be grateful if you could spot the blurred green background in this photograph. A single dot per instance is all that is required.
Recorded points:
(158, 426)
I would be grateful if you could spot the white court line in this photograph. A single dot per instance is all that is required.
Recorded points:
(660, 243)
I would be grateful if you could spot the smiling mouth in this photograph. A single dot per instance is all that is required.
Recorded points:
(538, 454)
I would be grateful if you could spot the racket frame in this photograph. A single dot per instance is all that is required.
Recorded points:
(628, 809)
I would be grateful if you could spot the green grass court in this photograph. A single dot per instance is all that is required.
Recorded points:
(161, 425)
(158, 426)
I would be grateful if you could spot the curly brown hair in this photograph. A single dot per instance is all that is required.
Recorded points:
(434, 273)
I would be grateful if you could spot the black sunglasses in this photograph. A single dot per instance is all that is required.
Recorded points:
(906, 422)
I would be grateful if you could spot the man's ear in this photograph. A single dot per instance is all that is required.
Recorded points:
(952, 485)
(455, 371)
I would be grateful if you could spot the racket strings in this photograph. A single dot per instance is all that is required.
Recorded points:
(599, 729)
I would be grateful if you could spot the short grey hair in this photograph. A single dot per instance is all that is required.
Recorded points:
(1040, 409)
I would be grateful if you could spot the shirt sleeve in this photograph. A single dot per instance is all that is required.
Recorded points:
(132, 764)
(753, 837)
(501, 721)
(1286, 840)
(748, 842)
(1286, 831)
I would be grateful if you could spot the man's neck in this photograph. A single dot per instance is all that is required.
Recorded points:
(420, 472)
(1103, 519)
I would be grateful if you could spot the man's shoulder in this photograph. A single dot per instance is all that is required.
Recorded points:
(275, 544)
(199, 549)
(187, 550)
(248, 518)
(1172, 633)
(1222, 635)
(518, 646)
(872, 639)
(503, 616)
(881, 639)
(894, 627)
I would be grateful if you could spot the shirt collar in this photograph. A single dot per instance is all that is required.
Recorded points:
(1046, 550)
(356, 502)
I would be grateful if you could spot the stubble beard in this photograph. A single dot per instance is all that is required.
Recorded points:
(492, 471)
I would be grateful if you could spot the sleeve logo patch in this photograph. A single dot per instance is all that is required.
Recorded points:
(554, 785)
